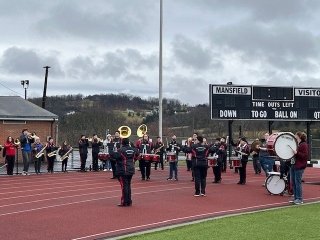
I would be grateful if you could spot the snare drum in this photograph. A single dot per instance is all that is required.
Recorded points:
(212, 161)
(282, 144)
(275, 184)
(156, 158)
(103, 156)
(236, 163)
(147, 157)
(171, 157)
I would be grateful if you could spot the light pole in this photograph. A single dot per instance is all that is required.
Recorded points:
(25, 85)
(160, 72)
(45, 87)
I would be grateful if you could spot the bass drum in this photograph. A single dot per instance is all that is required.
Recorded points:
(282, 144)
(275, 184)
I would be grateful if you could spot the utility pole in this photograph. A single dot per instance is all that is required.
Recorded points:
(45, 87)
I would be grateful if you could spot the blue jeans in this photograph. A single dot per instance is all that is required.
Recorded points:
(266, 164)
(296, 177)
(26, 157)
(173, 168)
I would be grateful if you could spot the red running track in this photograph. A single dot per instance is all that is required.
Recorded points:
(84, 205)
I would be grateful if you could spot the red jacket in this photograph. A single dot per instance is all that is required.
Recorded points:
(302, 156)
(10, 149)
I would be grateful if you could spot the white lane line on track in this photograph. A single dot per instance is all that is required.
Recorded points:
(88, 200)
(155, 224)
(77, 195)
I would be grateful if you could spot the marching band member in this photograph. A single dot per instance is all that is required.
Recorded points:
(255, 159)
(116, 143)
(266, 160)
(83, 150)
(96, 144)
(174, 147)
(50, 149)
(108, 149)
(145, 147)
(159, 150)
(26, 140)
(224, 156)
(9, 152)
(65, 148)
(36, 148)
(124, 159)
(298, 167)
(220, 151)
(244, 152)
(200, 165)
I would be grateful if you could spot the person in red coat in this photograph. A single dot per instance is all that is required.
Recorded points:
(300, 164)
(9, 153)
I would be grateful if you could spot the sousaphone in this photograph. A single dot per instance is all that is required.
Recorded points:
(125, 131)
(142, 129)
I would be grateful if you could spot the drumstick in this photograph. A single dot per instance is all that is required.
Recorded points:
(291, 147)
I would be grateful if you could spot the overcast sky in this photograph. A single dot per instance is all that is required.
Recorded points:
(112, 46)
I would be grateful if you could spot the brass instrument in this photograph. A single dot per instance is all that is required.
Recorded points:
(17, 142)
(142, 129)
(125, 131)
(66, 154)
(89, 139)
(54, 153)
(41, 152)
(32, 135)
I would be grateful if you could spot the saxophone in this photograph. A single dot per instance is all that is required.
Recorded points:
(41, 152)
(66, 154)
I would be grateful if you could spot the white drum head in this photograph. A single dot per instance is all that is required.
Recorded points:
(284, 145)
(275, 185)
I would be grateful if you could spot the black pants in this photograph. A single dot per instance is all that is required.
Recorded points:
(10, 164)
(113, 167)
(83, 159)
(51, 163)
(160, 162)
(145, 169)
(243, 172)
(125, 182)
(217, 171)
(95, 161)
(37, 164)
(189, 165)
(200, 181)
(64, 165)
(224, 164)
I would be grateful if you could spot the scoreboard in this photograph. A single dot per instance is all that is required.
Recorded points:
(233, 102)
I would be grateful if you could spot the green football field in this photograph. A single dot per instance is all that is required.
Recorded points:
(292, 223)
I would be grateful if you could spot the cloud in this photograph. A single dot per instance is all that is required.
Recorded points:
(27, 61)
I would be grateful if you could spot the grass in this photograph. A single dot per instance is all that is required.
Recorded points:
(294, 223)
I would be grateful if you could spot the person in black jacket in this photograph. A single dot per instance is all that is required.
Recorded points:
(115, 145)
(244, 152)
(96, 144)
(200, 165)
(83, 150)
(125, 169)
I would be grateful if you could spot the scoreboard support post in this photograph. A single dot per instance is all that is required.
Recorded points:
(270, 127)
(230, 139)
(309, 140)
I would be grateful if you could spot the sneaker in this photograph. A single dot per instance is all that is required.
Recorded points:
(105, 170)
(292, 201)
(297, 202)
(24, 173)
(176, 179)
(169, 179)
(203, 194)
(197, 195)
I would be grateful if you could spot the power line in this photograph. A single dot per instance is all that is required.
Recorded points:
(11, 89)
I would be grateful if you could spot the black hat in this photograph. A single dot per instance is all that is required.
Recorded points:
(243, 139)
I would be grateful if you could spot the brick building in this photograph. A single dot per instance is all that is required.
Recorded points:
(17, 113)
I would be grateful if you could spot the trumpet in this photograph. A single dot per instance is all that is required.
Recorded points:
(89, 139)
